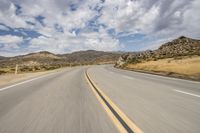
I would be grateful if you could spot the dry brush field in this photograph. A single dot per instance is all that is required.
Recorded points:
(182, 66)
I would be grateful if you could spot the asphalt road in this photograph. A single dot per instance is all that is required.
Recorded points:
(63, 102)
(156, 104)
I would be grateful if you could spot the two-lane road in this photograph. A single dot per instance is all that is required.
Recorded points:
(59, 103)
(64, 102)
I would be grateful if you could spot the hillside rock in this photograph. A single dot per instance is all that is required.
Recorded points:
(181, 46)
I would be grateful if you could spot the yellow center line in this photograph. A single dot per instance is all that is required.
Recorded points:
(101, 96)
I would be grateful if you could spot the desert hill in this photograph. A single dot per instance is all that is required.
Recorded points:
(45, 60)
(90, 56)
(182, 46)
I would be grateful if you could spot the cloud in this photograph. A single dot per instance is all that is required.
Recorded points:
(8, 39)
(140, 16)
(69, 41)
(9, 44)
(64, 26)
(8, 15)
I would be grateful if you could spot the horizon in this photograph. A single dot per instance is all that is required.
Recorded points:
(70, 52)
(67, 26)
(64, 53)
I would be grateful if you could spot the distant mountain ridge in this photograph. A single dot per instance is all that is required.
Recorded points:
(182, 46)
(47, 60)
(41, 54)
(90, 56)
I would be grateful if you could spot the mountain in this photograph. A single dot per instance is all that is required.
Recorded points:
(45, 60)
(42, 54)
(90, 56)
(182, 46)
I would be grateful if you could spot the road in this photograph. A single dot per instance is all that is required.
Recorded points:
(63, 102)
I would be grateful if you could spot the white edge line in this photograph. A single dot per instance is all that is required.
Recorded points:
(187, 93)
(26, 81)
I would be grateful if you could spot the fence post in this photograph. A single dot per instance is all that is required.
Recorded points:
(16, 69)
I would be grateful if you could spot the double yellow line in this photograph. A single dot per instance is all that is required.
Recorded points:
(120, 120)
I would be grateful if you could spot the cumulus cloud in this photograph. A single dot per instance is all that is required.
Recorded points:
(65, 26)
(8, 15)
(142, 16)
(8, 44)
(87, 40)
(8, 39)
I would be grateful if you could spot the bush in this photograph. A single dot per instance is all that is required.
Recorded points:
(133, 60)
(2, 72)
(26, 69)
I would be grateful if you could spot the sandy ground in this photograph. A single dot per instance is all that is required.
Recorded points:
(12, 78)
(188, 66)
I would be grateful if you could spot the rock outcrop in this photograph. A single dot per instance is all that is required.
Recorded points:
(181, 46)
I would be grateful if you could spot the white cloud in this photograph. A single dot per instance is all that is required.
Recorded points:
(152, 16)
(9, 44)
(157, 19)
(9, 39)
(86, 40)
(8, 16)
(190, 26)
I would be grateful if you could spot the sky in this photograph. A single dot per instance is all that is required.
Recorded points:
(63, 26)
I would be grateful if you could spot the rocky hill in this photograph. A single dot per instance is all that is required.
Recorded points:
(181, 46)
(91, 57)
(45, 60)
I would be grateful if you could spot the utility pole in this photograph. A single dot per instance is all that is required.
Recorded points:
(16, 69)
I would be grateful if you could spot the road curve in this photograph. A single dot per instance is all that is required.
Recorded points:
(64, 102)
(59, 103)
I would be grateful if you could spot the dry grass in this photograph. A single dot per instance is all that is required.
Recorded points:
(188, 66)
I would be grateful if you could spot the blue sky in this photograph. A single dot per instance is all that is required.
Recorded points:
(63, 26)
